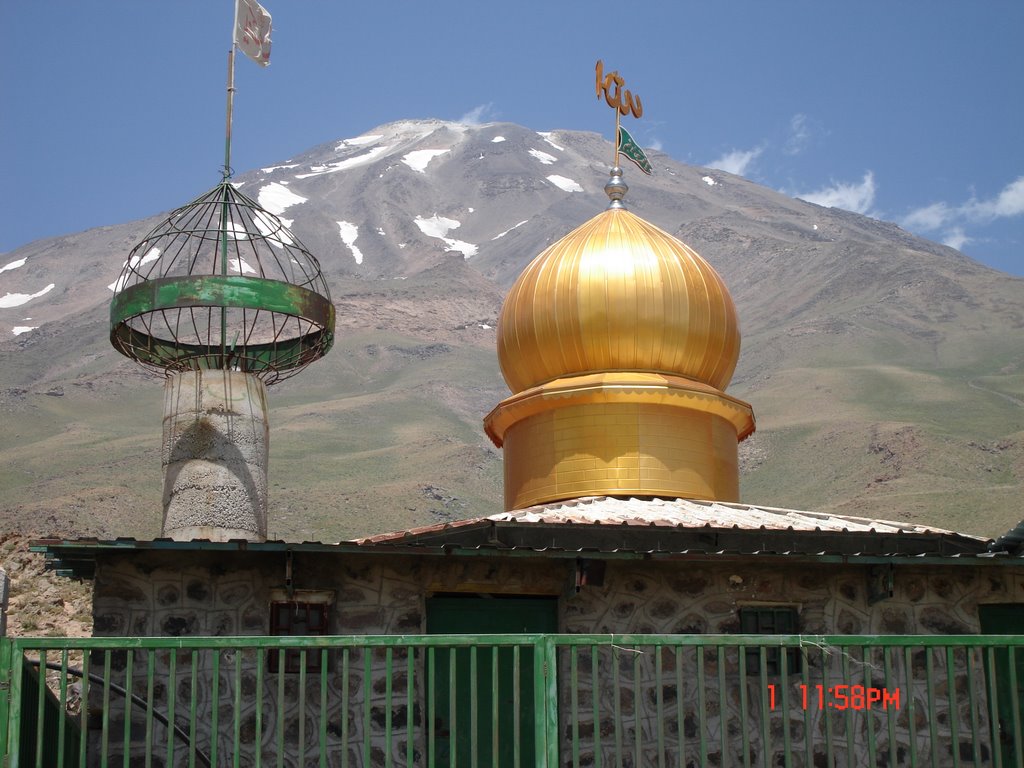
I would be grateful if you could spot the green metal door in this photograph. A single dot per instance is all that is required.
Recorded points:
(482, 708)
(1006, 619)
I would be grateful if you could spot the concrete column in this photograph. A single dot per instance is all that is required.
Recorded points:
(215, 447)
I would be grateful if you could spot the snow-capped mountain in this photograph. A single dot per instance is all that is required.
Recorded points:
(884, 369)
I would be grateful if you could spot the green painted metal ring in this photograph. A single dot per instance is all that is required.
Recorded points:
(228, 291)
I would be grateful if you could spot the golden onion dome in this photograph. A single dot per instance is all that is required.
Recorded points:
(618, 294)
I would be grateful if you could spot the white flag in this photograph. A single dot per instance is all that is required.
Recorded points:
(252, 31)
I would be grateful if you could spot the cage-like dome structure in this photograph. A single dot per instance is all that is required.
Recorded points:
(223, 284)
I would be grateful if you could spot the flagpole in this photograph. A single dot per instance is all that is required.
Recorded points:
(615, 139)
(226, 174)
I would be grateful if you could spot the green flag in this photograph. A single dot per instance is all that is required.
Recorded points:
(629, 148)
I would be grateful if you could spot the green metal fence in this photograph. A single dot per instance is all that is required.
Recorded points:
(585, 701)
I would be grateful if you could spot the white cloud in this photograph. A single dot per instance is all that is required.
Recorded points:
(799, 134)
(1008, 203)
(737, 161)
(655, 144)
(852, 196)
(956, 238)
(477, 115)
(949, 220)
(929, 218)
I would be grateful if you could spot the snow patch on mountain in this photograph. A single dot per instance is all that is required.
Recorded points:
(419, 159)
(359, 141)
(344, 165)
(273, 168)
(502, 234)
(136, 261)
(274, 229)
(709, 181)
(241, 266)
(20, 329)
(277, 198)
(544, 157)
(564, 184)
(546, 135)
(349, 232)
(17, 299)
(439, 226)
(13, 265)
(497, 140)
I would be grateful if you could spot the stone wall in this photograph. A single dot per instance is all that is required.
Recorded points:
(201, 593)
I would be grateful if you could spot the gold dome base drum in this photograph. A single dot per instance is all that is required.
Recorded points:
(623, 434)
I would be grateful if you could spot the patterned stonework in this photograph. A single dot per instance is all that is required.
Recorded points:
(638, 687)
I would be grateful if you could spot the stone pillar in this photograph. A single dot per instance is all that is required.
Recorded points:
(215, 456)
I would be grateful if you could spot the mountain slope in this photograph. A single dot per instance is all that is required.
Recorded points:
(885, 370)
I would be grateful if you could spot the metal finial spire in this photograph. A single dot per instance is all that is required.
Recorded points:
(616, 189)
(624, 103)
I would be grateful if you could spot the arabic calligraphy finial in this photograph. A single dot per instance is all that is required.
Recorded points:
(619, 98)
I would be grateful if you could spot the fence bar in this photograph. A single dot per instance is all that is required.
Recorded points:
(766, 701)
(172, 695)
(453, 726)
(282, 656)
(993, 708)
(345, 697)
(516, 704)
(410, 680)
(890, 714)
(680, 709)
(302, 707)
(495, 707)
(215, 698)
(550, 710)
(637, 702)
(236, 725)
(701, 707)
(975, 736)
(723, 708)
(367, 688)
(1018, 748)
(389, 656)
(63, 704)
(954, 720)
(595, 682)
(933, 742)
(473, 708)
(126, 751)
(784, 685)
(193, 710)
(40, 707)
(105, 718)
(322, 731)
(574, 704)
(659, 704)
(260, 656)
(851, 755)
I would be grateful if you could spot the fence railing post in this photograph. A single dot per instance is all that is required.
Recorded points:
(545, 698)
(5, 697)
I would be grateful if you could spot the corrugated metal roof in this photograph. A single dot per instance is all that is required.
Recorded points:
(676, 513)
(607, 527)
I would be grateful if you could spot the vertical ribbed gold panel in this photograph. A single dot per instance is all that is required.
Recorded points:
(641, 449)
(618, 294)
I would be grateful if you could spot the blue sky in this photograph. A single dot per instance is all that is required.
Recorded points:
(909, 111)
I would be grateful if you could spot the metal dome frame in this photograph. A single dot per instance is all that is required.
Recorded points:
(221, 283)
